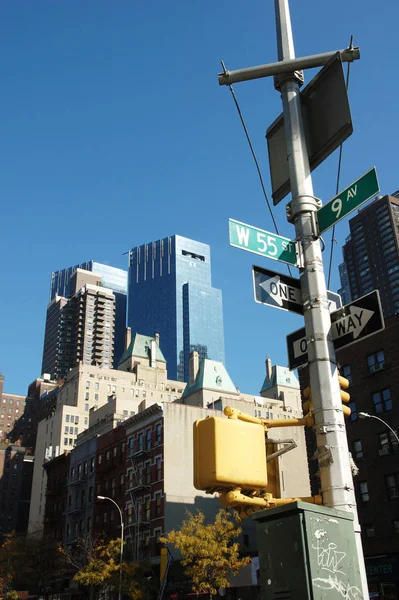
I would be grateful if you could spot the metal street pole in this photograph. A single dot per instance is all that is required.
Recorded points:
(364, 415)
(121, 551)
(332, 446)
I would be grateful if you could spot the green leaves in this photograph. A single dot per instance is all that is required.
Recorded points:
(208, 551)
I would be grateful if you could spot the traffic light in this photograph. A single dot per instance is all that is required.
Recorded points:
(345, 397)
(229, 454)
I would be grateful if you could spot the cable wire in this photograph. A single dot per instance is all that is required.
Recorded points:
(333, 240)
(254, 157)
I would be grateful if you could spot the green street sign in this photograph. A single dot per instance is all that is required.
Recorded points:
(352, 197)
(261, 242)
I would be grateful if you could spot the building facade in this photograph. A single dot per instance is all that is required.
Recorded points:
(15, 483)
(60, 321)
(371, 254)
(93, 400)
(372, 367)
(80, 328)
(170, 291)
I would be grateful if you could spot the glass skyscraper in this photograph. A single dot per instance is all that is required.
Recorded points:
(170, 291)
(112, 278)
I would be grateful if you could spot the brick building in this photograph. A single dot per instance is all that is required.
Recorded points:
(56, 496)
(372, 367)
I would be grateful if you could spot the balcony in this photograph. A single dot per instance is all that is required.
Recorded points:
(78, 479)
(139, 485)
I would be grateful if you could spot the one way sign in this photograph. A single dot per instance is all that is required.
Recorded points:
(349, 324)
(277, 290)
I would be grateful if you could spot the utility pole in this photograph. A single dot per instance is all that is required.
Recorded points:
(332, 446)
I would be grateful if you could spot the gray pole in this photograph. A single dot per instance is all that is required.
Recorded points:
(332, 446)
(122, 542)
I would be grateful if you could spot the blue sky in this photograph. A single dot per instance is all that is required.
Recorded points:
(114, 132)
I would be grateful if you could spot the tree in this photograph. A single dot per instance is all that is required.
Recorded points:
(208, 551)
(98, 566)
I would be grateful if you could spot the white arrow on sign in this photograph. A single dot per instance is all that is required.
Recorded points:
(281, 292)
(353, 323)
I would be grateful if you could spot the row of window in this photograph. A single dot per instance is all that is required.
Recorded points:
(391, 484)
(369, 529)
(388, 445)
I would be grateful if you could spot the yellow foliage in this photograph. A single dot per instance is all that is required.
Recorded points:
(208, 551)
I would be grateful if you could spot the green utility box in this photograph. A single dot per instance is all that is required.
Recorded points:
(307, 552)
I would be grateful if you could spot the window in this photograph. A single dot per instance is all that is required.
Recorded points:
(369, 530)
(382, 401)
(364, 491)
(158, 465)
(147, 473)
(148, 439)
(352, 406)
(345, 371)
(92, 464)
(86, 407)
(357, 449)
(147, 508)
(388, 442)
(395, 524)
(375, 361)
(87, 397)
(392, 483)
(158, 501)
(66, 418)
(158, 434)
(87, 385)
(140, 442)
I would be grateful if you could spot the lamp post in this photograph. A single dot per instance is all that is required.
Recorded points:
(364, 415)
(121, 555)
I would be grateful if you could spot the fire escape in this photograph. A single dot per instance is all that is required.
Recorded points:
(138, 487)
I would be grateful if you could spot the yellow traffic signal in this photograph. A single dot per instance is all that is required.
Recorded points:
(345, 397)
(229, 454)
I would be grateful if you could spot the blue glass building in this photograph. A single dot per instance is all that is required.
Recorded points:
(112, 278)
(170, 291)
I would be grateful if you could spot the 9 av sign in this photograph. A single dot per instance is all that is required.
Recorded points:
(355, 321)
(353, 196)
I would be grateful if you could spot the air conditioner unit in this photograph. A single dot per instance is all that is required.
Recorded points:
(377, 367)
(394, 494)
(383, 451)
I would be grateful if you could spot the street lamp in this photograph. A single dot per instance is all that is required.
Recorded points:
(364, 415)
(122, 527)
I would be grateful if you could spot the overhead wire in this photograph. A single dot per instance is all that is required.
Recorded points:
(333, 240)
(254, 157)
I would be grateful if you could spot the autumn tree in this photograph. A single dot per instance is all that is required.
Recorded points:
(208, 550)
(97, 565)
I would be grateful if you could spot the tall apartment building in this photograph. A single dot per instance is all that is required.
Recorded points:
(80, 328)
(87, 398)
(170, 291)
(62, 287)
(371, 254)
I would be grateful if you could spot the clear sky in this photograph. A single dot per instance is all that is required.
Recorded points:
(114, 132)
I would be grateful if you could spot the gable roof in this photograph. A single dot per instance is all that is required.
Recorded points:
(212, 375)
(140, 346)
(280, 376)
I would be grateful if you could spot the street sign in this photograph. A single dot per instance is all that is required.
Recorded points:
(353, 196)
(353, 322)
(326, 94)
(261, 242)
(277, 290)
(281, 291)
